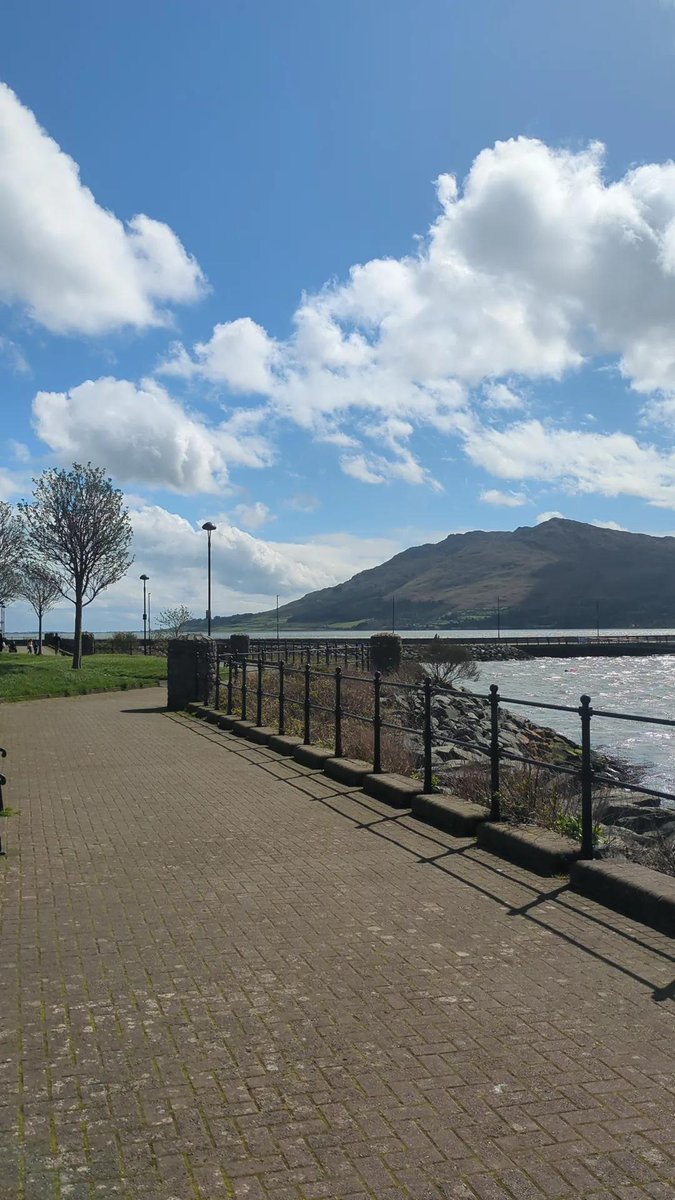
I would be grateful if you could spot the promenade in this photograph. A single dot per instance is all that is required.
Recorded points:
(224, 975)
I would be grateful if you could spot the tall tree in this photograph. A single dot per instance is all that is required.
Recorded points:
(80, 532)
(12, 550)
(41, 590)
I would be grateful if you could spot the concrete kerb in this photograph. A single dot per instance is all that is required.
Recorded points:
(284, 744)
(397, 790)
(628, 888)
(638, 892)
(458, 817)
(538, 850)
(352, 771)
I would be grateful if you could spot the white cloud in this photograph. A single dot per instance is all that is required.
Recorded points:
(507, 499)
(14, 356)
(500, 397)
(609, 464)
(239, 354)
(143, 434)
(73, 265)
(253, 516)
(548, 516)
(535, 264)
(248, 571)
(609, 525)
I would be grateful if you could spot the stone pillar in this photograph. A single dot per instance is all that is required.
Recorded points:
(239, 644)
(192, 665)
(385, 653)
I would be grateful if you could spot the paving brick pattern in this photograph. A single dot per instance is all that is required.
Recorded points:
(224, 975)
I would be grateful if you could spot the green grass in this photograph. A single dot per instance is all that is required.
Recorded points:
(24, 677)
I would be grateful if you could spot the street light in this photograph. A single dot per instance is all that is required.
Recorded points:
(149, 625)
(209, 527)
(145, 579)
(499, 618)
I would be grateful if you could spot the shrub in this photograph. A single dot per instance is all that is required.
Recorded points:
(385, 652)
(447, 660)
(123, 642)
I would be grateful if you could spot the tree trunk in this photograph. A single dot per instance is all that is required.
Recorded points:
(77, 646)
(40, 632)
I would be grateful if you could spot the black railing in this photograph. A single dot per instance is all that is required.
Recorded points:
(237, 672)
(3, 781)
(319, 651)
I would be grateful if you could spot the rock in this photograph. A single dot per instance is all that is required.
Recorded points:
(638, 819)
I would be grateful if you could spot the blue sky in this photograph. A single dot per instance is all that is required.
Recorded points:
(264, 301)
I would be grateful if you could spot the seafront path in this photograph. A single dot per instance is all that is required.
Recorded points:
(224, 975)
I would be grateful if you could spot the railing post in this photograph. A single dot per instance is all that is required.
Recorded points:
(307, 706)
(282, 697)
(258, 705)
(586, 712)
(244, 690)
(229, 688)
(3, 781)
(217, 681)
(427, 736)
(495, 804)
(377, 726)
(338, 713)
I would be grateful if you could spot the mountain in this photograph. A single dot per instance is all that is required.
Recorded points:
(552, 574)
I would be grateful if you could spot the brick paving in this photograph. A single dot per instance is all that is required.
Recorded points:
(223, 975)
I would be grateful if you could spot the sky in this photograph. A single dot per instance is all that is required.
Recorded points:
(340, 279)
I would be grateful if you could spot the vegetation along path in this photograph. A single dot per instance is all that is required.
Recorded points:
(225, 975)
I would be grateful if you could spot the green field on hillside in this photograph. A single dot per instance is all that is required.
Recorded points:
(28, 677)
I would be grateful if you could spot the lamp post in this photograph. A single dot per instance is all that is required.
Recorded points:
(499, 619)
(145, 579)
(209, 527)
(597, 619)
(149, 625)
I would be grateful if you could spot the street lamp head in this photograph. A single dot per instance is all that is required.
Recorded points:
(143, 576)
(208, 526)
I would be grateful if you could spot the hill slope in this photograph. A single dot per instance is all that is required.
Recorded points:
(547, 575)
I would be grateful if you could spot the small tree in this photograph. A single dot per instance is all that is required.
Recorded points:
(12, 551)
(41, 590)
(80, 530)
(174, 620)
(448, 661)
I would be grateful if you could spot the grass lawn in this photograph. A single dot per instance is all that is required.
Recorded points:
(24, 677)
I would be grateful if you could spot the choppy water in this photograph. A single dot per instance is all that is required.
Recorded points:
(640, 686)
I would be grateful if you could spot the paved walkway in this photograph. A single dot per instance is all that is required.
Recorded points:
(223, 975)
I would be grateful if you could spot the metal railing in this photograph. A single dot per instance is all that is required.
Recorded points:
(240, 694)
(3, 781)
(312, 650)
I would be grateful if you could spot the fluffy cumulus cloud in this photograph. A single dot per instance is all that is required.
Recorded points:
(143, 435)
(608, 464)
(73, 265)
(253, 516)
(536, 264)
(248, 571)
